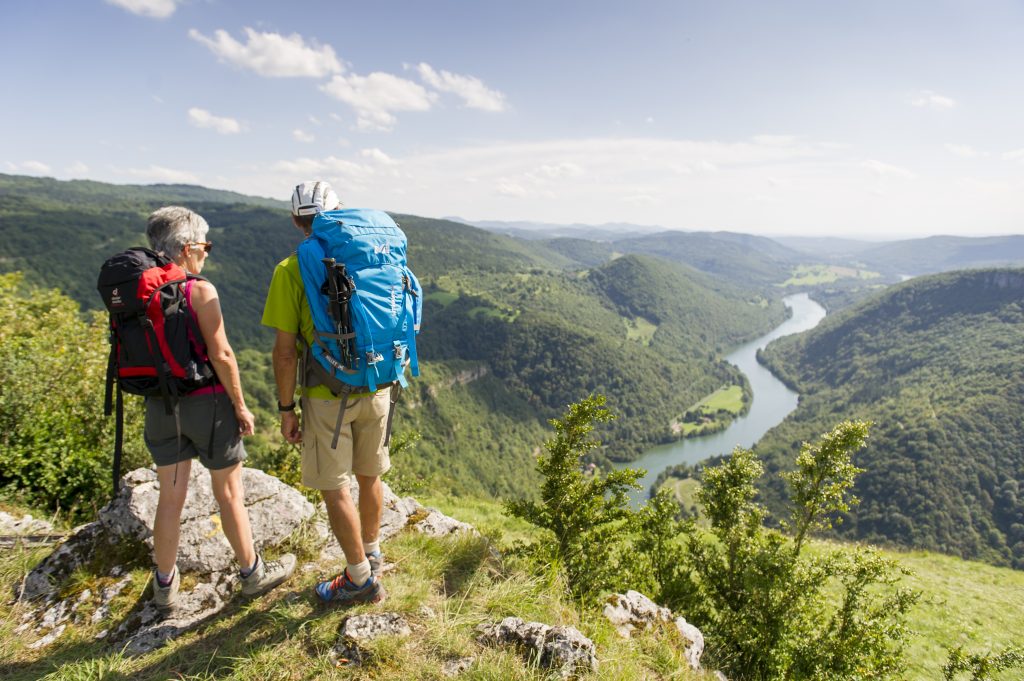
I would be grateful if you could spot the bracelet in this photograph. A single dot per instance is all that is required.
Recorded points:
(285, 407)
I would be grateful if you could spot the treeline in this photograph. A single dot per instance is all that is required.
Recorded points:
(936, 364)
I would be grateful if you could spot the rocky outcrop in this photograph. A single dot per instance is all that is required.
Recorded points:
(633, 611)
(124, 527)
(562, 649)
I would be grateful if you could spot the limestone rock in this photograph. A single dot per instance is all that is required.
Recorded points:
(275, 511)
(358, 630)
(437, 524)
(696, 642)
(457, 666)
(398, 513)
(365, 628)
(24, 525)
(634, 611)
(563, 649)
(149, 629)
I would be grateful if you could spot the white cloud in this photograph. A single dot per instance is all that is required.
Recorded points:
(272, 54)
(77, 168)
(36, 168)
(1016, 155)
(155, 173)
(201, 118)
(556, 170)
(377, 96)
(886, 170)
(157, 9)
(930, 100)
(377, 156)
(964, 150)
(300, 135)
(472, 90)
(314, 120)
(510, 189)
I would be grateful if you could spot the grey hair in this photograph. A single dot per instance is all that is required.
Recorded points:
(171, 227)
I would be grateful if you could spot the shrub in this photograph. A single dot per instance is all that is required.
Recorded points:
(767, 608)
(586, 517)
(55, 444)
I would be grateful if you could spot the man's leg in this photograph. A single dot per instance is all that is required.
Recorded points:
(227, 489)
(341, 512)
(371, 506)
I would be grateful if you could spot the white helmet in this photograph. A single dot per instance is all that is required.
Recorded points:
(309, 198)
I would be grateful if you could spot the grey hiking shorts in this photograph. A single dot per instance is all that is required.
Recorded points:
(199, 416)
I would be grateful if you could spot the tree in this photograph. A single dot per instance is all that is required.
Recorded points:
(586, 517)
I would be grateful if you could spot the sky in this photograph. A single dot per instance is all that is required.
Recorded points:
(867, 119)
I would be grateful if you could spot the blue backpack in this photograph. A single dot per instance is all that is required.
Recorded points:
(366, 305)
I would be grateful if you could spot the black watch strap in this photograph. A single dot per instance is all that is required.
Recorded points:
(286, 407)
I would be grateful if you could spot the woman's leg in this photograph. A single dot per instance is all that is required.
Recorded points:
(167, 524)
(227, 488)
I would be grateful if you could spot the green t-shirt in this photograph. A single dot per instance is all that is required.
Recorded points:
(286, 309)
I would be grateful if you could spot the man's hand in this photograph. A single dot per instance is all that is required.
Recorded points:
(290, 427)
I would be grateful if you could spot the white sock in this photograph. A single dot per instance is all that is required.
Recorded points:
(359, 573)
(371, 547)
(165, 580)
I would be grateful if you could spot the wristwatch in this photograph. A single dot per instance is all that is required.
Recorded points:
(285, 407)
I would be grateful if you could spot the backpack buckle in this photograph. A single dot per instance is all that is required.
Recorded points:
(373, 357)
(399, 351)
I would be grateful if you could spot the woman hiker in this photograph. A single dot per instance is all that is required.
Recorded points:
(209, 424)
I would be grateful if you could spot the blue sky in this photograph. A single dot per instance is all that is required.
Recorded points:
(869, 119)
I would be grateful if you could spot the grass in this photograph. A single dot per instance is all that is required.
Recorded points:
(443, 587)
(640, 330)
(813, 275)
(715, 412)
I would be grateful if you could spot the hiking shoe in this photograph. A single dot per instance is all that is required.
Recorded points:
(164, 597)
(268, 574)
(342, 591)
(376, 559)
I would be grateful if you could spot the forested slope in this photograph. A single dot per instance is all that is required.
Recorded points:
(513, 330)
(937, 364)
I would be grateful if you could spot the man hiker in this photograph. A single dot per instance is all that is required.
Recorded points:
(360, 437)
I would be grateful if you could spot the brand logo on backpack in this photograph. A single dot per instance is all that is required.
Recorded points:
(383, 248)
(115, 298)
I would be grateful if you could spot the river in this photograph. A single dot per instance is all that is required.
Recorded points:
(772, 402)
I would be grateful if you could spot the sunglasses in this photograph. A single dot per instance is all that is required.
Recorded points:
(207, 245)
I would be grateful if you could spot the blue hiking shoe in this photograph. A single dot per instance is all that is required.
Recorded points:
(342, 591)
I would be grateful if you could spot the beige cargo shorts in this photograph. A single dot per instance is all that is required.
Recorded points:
(360, 448)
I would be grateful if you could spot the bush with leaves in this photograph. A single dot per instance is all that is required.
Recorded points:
(768, 608)
(55, 444)
(586, 517)
(981, 667)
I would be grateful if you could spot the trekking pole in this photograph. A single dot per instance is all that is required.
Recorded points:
(346, 288)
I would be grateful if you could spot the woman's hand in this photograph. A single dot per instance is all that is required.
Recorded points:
(246, 421)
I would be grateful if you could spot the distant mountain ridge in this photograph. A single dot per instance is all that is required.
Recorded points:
(936, 363)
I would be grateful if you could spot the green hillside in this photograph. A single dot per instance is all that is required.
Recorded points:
(936, 363)
(748, 260)
(514, 330)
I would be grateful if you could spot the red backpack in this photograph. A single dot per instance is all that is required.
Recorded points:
(156, 348)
